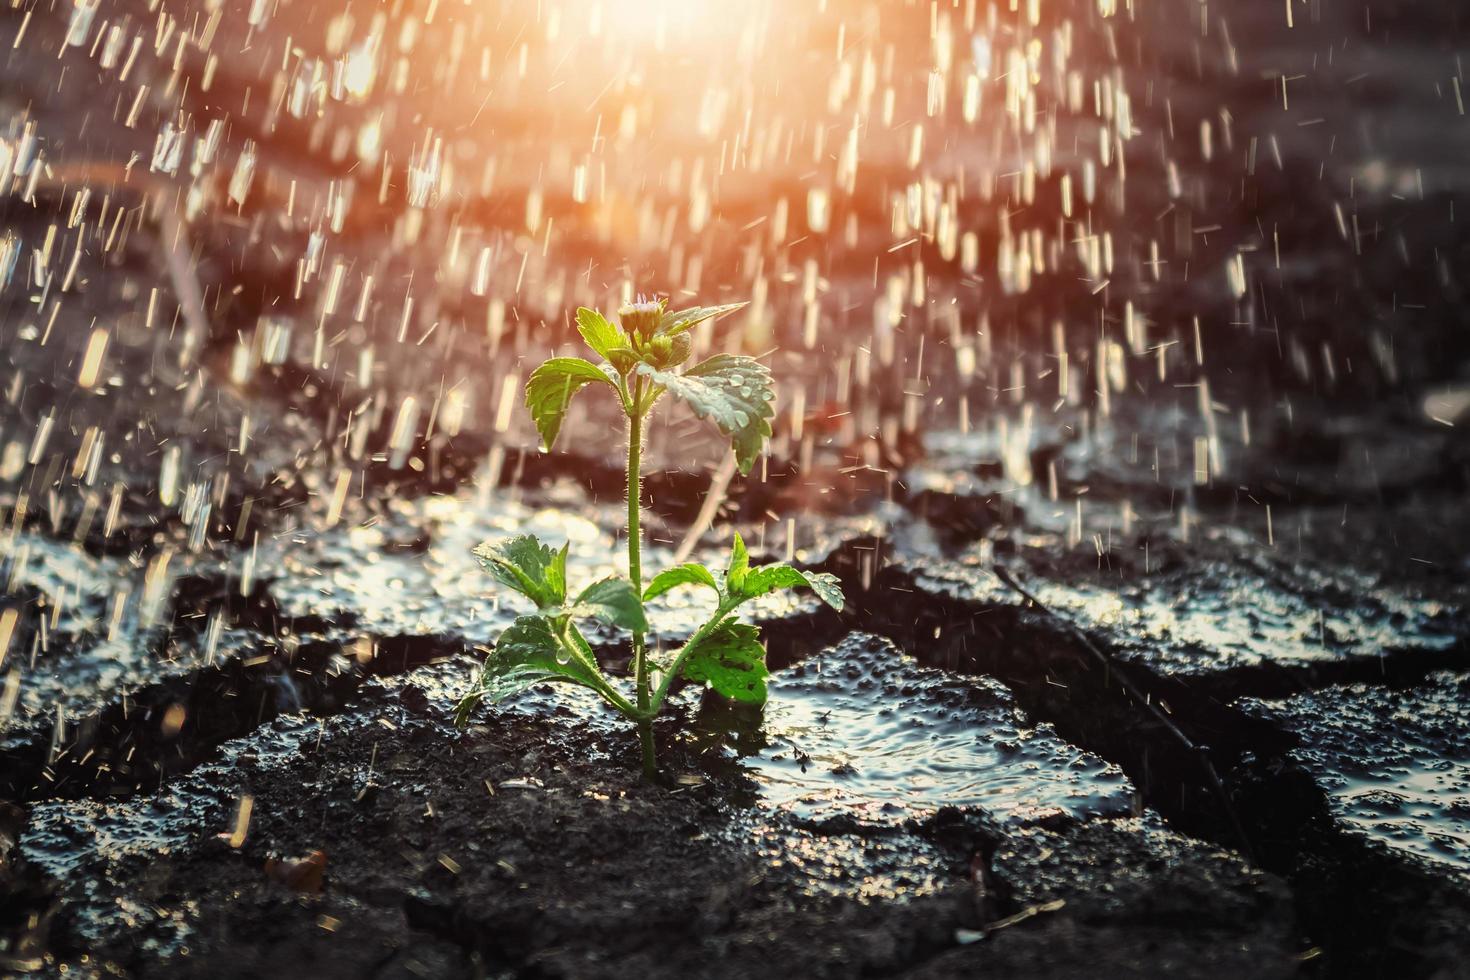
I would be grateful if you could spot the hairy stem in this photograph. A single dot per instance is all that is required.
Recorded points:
(635, 491)
(635, 572)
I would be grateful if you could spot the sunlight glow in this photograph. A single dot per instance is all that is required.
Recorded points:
(662, 21)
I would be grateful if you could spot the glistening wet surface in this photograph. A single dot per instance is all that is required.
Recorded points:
(91, 628)
(1395, 764)
(1112, 293)
(862, 729)
(1238, 603)
(412, 572)
(103, 850)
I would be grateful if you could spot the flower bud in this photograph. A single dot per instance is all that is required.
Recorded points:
(641, 319)
(667, 352)
(622, 359)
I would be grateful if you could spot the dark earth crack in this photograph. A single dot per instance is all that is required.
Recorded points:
(1286, 818)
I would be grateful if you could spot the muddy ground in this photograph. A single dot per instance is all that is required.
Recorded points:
(1156, 654)
(947, 781)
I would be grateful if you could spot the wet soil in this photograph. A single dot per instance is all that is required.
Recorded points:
(1155, 653)
(886, 814)
(526, 847)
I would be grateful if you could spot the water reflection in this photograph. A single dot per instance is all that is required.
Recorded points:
(862, 729)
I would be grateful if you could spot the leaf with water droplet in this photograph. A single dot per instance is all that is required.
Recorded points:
(740, 408)
(768, 578)
(529, 567)
(674, 323)
(732, 661)
(528, 653)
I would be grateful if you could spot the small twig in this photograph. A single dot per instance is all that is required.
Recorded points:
(719, 483)
(1029, 912)
(179, 257)
(1198, 751)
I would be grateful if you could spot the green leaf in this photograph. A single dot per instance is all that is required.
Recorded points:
(731, 390)
(467, 705)
(612, 600)
(691, 573)
(602, 336)
(673, 323)
(739, 566)
(551, 388)
(768, 578)
(528, 566)
(732, 661)
(527, 653)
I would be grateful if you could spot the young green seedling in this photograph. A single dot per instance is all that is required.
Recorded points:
(639, 361)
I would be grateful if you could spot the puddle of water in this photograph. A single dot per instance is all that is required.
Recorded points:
(1423, 810)
(73, 589)
(413, 571)
(1395, 764)
(862, 729)
(1216, 618)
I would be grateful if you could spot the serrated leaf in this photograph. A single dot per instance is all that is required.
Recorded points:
(612, 600)
(690, 573)
(732, 661)
(529, 567)
(530, 643)
(738, 567)
(731, 390)
(526, 654)
(600, 334)
(676, 322)
(551, 388)
(768, 578)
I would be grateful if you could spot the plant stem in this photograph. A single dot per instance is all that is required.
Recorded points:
(635, 491)
(635, 573)
(645, 738)
(725, 608)
(577, 649)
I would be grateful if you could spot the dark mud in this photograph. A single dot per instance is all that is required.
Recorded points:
(526, 846)
(1230, 463)
(1371, 796)
(1392, 761)
(921, 807)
